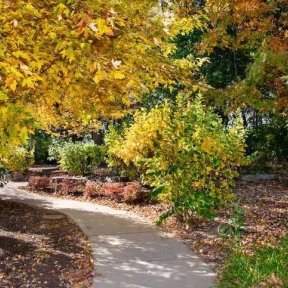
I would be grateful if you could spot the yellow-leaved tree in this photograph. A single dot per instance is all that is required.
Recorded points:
(70, 63)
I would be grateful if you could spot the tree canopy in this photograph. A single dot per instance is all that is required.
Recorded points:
(246, 43)
(70, 63)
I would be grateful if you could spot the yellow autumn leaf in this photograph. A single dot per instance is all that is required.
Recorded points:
(13, 85)
(3, 97)
(11, 82)
(102, 27)
(28, 82)
(118, 75)
(21, 54)
(99, 76)
(207, 145)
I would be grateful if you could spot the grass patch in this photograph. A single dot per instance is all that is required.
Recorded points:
(268, 267)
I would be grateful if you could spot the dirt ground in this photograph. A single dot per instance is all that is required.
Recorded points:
(42, 248)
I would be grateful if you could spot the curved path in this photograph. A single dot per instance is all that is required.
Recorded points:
(129, 252)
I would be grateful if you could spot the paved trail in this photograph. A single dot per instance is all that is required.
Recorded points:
(129, 252)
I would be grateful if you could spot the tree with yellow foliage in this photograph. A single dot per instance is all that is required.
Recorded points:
(70, 63)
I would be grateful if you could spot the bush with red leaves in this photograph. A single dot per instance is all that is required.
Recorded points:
(122, 192)
(132, 192)
(39, 182)
(113, 190)
(71, 186)
(92, 188)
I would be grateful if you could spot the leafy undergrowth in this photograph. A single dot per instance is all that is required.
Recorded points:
(267, 267)
(42, 248)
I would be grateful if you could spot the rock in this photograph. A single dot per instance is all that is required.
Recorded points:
(19, 177)
(42, 170)
(76, 179)
(2, 253)
(258, 177)
(112, 179)
(59, 173)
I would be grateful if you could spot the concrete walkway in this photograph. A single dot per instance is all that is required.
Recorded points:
(129, 252)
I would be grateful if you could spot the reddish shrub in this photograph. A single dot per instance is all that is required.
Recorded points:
(129, 193)
(113, 190)
(132, 192)
(92, 188)
(70, 186)
(39, 182)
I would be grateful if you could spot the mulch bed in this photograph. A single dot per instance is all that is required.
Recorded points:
(266, 219)
(42, 248)
(265, 207)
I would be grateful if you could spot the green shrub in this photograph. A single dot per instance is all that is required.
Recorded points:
(185, 153)
(55, 148)
(266, 268)
(80, 158)
(41, 143)
(18, 160)
(268, 141)
(233, 228)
